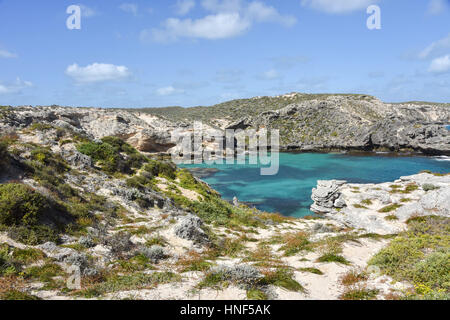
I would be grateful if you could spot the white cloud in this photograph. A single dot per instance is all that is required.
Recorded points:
(220, 26)
(97, 72)
(440, 65)
(259, 12)
(436, 7)
(87, 12)
(15, 87)
(338, 6)
(435, 46)
(168, 91)
(129, 8)
(183, 7)
(6, 54)
(227, 19)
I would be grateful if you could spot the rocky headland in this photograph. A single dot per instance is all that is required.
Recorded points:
(306, 123)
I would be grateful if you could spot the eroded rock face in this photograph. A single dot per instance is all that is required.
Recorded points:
(327, 196)
(147, 134)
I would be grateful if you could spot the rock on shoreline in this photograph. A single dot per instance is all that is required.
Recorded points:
(383, 208)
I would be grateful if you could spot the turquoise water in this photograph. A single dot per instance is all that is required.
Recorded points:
(289, 192)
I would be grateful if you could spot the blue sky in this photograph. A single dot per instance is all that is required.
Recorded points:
(201, 52)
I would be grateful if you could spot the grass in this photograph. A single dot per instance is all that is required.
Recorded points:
(437, 174)
(135, 281)
(311, 270)
(193, 261)
(256, 294)
(159, 240)
(226, 247)
(44, 273)
(367, 202)
(352, 277)
(359, 206)
(359, 294)
(408, 188)
(331, 257)
(390, 208)
(391, 217)
(263, 257)
(17, 295)
(137, 263)
(282, 277)
(295, 243)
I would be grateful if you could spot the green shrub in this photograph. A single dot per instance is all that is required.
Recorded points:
(49, 159)
(7, 265)
(433, 271)
(38, 126)
(21, 205)
(17, 295)
(109, 154)
(213, 211)
(419, 255)
(26, 256)
(160, 168)
(256, 294)
(3, 152)
(33, 235)
(429, 187)
(44, 273)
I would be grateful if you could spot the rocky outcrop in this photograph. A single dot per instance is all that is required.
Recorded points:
(327, 196)
(383, 208)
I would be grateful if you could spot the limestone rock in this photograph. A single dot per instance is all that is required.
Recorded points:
(189, 228)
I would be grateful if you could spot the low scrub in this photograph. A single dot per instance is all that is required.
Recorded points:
(419, 255)
(21, 205)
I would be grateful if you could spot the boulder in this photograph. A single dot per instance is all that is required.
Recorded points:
(189, 228)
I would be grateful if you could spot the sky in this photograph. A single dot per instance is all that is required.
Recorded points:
(157, 53)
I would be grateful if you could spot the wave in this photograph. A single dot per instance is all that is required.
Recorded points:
(442, 158)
